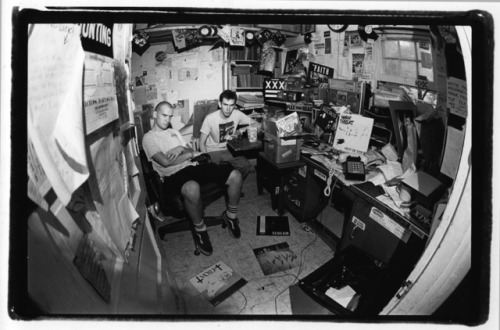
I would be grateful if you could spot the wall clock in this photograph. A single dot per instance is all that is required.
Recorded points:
(338, 27)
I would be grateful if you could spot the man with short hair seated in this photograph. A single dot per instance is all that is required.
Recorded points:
(221, 126)
(172, 159)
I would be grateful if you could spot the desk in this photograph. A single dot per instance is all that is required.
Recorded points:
(370, 224)
(243, 147)
(271, 175)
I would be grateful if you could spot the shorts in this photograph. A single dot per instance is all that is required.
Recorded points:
(206, 173)
(240, 163)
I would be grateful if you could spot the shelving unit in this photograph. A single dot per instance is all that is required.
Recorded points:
(244, 74)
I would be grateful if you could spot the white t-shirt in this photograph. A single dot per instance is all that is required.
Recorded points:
(218, 128)
(162, 141)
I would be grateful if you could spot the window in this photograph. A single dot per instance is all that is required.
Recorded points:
(409, 61)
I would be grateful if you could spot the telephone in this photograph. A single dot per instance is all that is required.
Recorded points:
(354, 168)
(342, 157)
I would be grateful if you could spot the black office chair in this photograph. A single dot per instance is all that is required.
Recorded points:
(162, 206)
(171, 205)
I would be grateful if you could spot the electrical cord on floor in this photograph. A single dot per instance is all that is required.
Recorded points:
(257, 279)
(298, 273)
(296, 278)
(246, 302)
(301, 261)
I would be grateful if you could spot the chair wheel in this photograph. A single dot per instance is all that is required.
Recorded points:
(197, 252)
(224, 224)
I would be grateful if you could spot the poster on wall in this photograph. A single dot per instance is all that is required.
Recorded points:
(186, 38)
(237, 37)
(352, 39)
(97, 38)
(358, 61)
(99, 93)
(318, 75)
(55, 125)
(151, 92)
(121, 83)
(38, 183)
(457, 96)
(109, 192)
(121, 41)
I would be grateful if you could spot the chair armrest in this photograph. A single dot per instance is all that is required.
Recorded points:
(195, 142)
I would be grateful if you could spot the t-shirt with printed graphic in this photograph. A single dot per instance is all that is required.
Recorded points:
(162, 141)
(218, 128)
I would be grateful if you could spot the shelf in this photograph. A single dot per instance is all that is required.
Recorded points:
(244, 62)
(248, 89)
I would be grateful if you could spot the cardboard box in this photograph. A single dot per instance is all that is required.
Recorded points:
(281, 151)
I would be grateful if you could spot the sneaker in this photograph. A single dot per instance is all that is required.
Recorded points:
(202, 242)
(232, 226)
(155, 212)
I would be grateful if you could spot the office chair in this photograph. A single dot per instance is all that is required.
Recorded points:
(171, 205)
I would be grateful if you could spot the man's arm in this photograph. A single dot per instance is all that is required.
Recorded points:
(203, 142)
(174, 156)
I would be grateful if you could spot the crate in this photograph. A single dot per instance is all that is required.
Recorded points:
(280, 150)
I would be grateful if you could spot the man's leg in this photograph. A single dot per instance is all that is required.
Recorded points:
(240, 163)
(193, 204)
(234, 183)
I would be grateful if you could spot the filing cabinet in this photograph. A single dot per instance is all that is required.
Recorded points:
(303, 192)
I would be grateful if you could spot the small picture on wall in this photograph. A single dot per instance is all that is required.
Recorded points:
(307, 28)
(352, 39)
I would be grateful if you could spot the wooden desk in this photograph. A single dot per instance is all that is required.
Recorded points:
(243, 147)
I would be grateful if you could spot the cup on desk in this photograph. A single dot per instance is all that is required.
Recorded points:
(252, 133)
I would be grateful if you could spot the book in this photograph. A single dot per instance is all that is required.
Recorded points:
(273, 225)
(276, 258)
(217, 282)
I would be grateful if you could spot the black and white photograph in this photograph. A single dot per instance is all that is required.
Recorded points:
(138, 186)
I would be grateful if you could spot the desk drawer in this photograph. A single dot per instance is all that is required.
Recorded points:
(304, 208)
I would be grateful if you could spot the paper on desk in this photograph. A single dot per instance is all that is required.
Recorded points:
(394, 194)
(342, 296)
(389, 152)
(391, 169)
(387, 201)
(377, 179)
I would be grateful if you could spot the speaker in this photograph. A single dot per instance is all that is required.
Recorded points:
(331, 97)
(353, 102)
